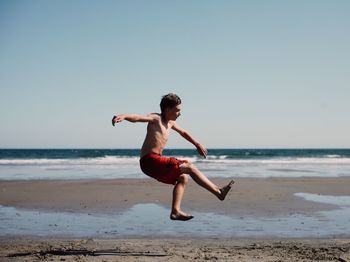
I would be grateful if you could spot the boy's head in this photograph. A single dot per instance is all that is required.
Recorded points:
(170, 106)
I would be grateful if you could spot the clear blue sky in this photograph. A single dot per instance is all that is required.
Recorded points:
(250, 73)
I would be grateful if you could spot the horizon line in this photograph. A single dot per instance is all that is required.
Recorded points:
(173, 148)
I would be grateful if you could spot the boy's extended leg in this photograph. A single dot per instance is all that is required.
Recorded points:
(203, 181)
(179, 189)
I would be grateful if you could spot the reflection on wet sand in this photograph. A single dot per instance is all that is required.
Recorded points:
(152, 220)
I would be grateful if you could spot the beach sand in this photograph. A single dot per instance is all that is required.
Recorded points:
(261, 197)
(174, 250)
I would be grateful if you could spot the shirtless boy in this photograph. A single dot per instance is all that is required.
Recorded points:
(170, 170)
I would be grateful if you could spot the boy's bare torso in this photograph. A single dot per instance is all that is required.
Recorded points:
(157, 135)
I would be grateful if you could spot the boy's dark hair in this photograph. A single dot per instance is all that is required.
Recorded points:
(169, 101)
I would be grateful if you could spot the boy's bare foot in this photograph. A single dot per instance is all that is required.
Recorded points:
(224, 190)
(180, 216)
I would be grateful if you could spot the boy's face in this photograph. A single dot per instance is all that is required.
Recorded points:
(174, 113)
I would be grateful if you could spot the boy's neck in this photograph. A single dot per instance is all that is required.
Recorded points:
(164, 118)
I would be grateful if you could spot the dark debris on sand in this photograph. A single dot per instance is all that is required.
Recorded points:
(175, 250)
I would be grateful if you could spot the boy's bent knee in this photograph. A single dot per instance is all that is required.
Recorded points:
(187, 168)
(183, 179)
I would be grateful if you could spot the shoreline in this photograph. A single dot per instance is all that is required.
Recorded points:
(254, 196)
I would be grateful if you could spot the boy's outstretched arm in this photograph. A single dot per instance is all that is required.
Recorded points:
(201, 149)
(133, 118)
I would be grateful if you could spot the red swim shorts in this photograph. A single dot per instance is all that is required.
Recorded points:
(164, 169)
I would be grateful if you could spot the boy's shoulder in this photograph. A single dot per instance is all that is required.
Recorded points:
(155, 116)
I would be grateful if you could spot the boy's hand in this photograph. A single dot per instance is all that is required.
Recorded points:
(202, 150)
(117, 119)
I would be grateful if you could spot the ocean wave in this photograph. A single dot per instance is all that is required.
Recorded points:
(108, 160)
(306, 160)
(130, 160)
(333, 156)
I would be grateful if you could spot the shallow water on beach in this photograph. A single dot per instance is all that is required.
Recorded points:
(144, 220)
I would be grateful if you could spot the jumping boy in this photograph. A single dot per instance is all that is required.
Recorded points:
(170, 170)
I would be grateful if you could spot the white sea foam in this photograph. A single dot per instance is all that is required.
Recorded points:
(112, 160)
(306, 160)
(108, 160)
(214, 166)
(333, 156)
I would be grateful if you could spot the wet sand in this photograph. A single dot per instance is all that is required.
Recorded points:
(261, 197)
(248, 196)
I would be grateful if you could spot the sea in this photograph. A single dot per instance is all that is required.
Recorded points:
(76, 164)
